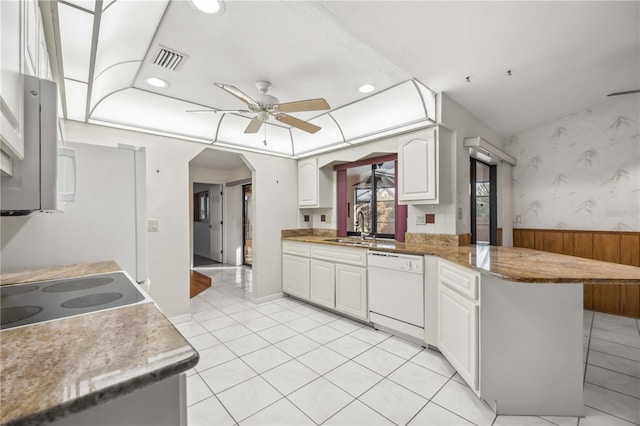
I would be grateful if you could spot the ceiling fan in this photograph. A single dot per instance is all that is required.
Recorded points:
(265, 105)
(628, 92)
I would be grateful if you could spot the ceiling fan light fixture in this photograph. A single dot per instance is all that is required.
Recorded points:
(209, 6)
(157, 82)
(367, 88)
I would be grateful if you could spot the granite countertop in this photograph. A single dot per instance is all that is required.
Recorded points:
(53, 369)
(508, 263)
(55, 272)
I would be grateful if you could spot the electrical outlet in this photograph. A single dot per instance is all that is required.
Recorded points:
(323, 218)
(459, 213)
(420, 219)
(152, 225)
(306, 218)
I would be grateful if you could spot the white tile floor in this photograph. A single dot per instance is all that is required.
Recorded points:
(288, 363)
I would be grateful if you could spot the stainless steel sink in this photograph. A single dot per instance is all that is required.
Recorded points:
(353, 242)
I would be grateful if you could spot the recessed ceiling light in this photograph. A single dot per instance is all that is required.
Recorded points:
(157, 82)
(209, 6)
(367, 88)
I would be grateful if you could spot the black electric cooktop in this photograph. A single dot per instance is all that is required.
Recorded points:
(30, 303)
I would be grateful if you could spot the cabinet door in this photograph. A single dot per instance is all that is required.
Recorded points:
(417, 167)
(458, 333)
(295, 276)
(308, 182)
(11, 85)
(323, 283)
(32, 26)
(351, 291)
(44, 71)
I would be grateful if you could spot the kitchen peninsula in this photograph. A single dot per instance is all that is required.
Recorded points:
(509, 320)
(76, 370)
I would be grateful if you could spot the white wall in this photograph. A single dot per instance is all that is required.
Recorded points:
(167, 202)
(168, 199)
(99, 226)
(275, 186)
(582, 171)
(463, 124)
(233, 225)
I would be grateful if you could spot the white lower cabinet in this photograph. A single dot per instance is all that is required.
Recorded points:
(295, 275)
(323, 283)
(331, 276)
(459, 320)
(351, 290)
(458, 333)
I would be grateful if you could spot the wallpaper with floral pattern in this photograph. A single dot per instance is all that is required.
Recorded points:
(581, 172)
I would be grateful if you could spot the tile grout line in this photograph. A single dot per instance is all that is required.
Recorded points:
(586, 359)
(610, 354)
(302, 333)
(605, 412)
(613, 390)
(615, 371)
(617, 343)
(322, 375)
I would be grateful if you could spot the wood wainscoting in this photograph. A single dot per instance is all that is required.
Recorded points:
(617, 247)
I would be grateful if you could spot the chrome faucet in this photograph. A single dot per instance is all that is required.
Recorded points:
(364, 235)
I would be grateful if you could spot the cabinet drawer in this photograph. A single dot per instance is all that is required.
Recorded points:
(458, 278)
(349, 256)
(295, 248)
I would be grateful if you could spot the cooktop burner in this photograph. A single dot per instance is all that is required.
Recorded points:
(30, 303)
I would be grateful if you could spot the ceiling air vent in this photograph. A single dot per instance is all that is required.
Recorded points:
(168, 59)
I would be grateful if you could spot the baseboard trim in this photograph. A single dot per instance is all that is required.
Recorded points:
(258, 300)
(180, 318)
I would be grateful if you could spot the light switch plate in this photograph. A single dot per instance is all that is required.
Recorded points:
(420, 220)
(152, 225)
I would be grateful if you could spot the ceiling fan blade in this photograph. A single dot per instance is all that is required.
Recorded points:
(628, 92)
(238, 94)
(254, 126)
(217, 110)
(297, 123)
(306, 105)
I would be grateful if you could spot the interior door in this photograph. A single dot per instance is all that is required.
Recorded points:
(215, 197)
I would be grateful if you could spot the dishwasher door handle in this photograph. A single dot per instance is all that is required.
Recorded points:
(382, 254)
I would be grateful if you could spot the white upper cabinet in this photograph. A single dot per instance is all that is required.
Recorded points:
(314, 185)
(32, 37)
(424, 167)
(11, 84)
(24, 51)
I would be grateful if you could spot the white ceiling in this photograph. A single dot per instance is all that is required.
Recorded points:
(564, 56)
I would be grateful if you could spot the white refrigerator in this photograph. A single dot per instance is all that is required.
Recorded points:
(107, 221)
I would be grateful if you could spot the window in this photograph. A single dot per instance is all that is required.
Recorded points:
(367, 199)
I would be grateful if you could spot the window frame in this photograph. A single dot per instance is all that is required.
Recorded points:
(343, 203)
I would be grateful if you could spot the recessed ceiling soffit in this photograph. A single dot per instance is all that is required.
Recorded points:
(104, 47)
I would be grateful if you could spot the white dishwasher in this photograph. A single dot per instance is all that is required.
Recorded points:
(396, 292)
